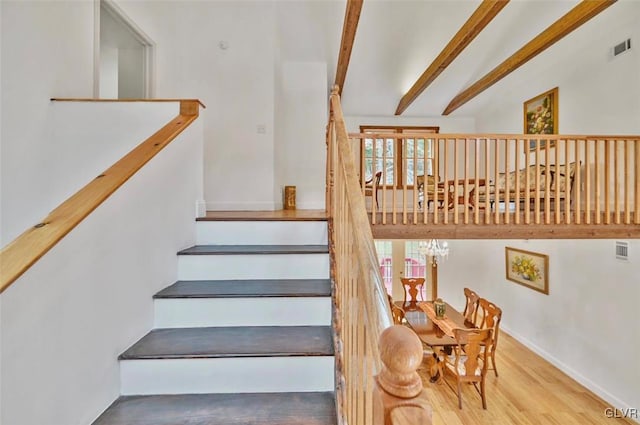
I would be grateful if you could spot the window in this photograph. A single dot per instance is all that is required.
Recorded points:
(401, 159)
(390, 252)
(385, 256)
(414, 262)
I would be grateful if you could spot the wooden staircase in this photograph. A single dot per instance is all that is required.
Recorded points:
(243, 337)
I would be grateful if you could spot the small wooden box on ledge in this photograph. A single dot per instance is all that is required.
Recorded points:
(289, 198)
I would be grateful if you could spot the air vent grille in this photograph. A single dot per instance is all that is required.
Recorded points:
(622, 250)
(622, 47)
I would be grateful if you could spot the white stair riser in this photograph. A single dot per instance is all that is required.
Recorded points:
(226, 375)
(261, 266)
(261, 233)
(250, 311)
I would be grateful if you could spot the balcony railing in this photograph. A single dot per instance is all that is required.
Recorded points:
(506, 179)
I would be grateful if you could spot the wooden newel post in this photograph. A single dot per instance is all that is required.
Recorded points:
(398, 397)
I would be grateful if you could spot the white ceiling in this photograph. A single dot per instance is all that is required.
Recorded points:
(397, 40)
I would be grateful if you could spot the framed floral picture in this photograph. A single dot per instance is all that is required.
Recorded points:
(541, 116)
(527, 268)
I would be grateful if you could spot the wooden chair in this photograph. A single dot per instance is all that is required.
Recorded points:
(432, 187)
(491, 316)
(396, 312)
(468, 362)
(471, 307)
(412, 287)
(371, 186)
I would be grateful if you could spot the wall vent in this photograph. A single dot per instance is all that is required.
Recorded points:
(622, 250)
(622, 47)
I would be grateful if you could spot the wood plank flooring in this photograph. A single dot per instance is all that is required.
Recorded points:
(529, 391)
(279, 215)
(222, 409)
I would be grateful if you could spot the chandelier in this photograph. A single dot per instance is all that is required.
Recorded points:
(433, 248)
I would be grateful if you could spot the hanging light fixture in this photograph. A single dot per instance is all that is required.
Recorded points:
(433, 248)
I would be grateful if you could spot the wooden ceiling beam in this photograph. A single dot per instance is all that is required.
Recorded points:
(572, 20)
(351, 18)
(484, 14)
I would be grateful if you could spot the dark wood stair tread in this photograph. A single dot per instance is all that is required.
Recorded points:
(313, 408)
(254, 249)
(235, 341)
(247, 288)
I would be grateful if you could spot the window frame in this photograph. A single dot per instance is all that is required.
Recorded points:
(398, 157)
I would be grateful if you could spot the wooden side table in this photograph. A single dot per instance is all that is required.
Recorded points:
(459, 199)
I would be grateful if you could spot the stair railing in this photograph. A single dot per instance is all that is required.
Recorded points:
(20, 254)
(376, 378)
(502, 179)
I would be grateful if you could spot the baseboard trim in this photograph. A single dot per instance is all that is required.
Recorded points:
(572, 373)
(241, 206)
(310, 206)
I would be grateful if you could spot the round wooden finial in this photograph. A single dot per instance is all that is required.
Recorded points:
(401, 355)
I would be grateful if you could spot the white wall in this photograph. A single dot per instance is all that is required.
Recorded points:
(66, 320)
(599, 96)
(131, 73)
(79, 141)
(236, 84)
(448, 125)
(587, 325)
(129, 77)
(301, 119)
(108, 72)
(47, 51)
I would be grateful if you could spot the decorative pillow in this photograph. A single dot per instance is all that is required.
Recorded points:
(559, 173)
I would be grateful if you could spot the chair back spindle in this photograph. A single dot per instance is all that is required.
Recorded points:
(491, 317)
(471, 306)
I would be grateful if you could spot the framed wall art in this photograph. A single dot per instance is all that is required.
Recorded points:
(530, 269)
(541, 116)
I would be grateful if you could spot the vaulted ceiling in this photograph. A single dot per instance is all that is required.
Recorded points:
(397, 40)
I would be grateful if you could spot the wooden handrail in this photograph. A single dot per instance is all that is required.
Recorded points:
(79, 99)
(362, 310)
(26, 249)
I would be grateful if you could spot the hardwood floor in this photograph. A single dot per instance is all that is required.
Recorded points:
(529, 391)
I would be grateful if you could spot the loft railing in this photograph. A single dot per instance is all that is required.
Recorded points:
(19, 255)
(369, 387)
(500, 179)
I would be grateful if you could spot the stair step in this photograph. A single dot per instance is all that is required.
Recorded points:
(254, 249)
(261, 233)
(251, 311)
(311, 408)
(247, 288)
(253, 266)
(272, 302)
(238, 341)
(229, 360)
